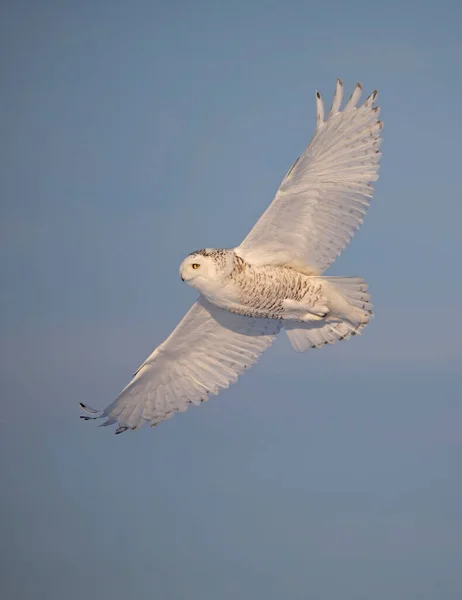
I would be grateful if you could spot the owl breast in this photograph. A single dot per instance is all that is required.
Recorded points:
(260, 291)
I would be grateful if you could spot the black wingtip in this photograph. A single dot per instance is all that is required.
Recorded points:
(121, 429)
(89, 409)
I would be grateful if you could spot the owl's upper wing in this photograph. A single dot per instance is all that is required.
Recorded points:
(207, 351)
(324, 196)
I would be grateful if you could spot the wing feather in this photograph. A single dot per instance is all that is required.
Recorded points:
(323, 198)
(206, 352)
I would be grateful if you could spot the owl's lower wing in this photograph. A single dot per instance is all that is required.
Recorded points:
(324, 196)
(207, 351)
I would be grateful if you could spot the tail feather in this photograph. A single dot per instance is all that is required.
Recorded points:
(354, 290)
(354, 313)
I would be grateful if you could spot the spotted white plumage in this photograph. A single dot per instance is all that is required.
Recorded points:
(273, 279)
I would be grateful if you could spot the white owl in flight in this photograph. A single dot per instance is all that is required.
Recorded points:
(273, 280)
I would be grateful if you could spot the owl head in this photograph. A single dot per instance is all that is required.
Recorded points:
(206, 269)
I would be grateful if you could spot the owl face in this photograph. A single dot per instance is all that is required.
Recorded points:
(205, 269)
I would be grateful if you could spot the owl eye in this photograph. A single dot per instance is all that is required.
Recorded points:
(195, 266)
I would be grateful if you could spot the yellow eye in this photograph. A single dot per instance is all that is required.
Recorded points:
(195, 266)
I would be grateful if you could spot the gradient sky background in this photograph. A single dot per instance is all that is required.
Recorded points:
(135, 132)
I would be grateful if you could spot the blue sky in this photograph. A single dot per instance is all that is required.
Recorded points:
(133, 133)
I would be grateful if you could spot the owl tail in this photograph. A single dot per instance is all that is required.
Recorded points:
(353, 311)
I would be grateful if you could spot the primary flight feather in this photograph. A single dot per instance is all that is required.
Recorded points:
(273, 280)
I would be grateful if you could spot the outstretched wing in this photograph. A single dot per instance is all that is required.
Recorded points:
(323, 198)
(207, 351)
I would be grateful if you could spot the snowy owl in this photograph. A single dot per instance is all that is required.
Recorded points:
(273, 279)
